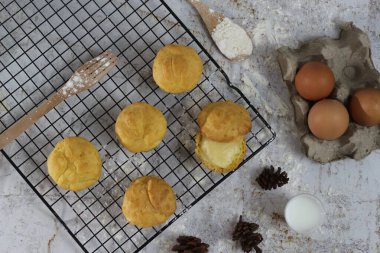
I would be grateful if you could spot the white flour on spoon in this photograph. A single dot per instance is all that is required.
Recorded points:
(232, 40)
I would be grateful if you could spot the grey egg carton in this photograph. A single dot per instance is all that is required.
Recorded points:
(349, 57)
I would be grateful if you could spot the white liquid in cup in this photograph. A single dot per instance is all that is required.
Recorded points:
(304, 213)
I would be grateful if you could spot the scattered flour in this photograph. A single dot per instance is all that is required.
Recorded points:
(271, 34)
(232, 40)
(252, 83)
(78, 80)
(128, 167)
(111, 165)
(248, 87)
(245, 65)
(73, 85)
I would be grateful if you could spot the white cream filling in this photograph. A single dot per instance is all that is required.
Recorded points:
(221, 154)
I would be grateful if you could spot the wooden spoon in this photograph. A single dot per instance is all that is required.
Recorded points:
(209, 17)
(84, 78)
(212, 19)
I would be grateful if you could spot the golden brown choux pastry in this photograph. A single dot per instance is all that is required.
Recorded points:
(177, 68)
(224, 121)
(74, 164)
(149, 201)
(140, 127)
(220, 157)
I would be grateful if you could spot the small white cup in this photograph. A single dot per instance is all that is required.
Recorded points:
(304, 213)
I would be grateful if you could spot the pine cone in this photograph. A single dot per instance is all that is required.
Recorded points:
(244, 231)
(270, 179)
(243, 228)
(251, 241)
(190, 244)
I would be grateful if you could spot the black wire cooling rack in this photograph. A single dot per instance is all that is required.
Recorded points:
(41, 43)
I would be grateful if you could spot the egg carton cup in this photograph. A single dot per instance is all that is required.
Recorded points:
(349, 57)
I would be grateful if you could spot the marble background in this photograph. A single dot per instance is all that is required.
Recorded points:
(349, 189)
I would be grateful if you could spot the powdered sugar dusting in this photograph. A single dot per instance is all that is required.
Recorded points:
(75, 83)
(91, 71)
(76, 78)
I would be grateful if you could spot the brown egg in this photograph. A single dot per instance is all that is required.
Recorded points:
(314, 81)
(328, 119)
(365, 107)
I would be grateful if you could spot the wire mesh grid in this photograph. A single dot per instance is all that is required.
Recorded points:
(41, 43)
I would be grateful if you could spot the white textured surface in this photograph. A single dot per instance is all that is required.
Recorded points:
(349, 189)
